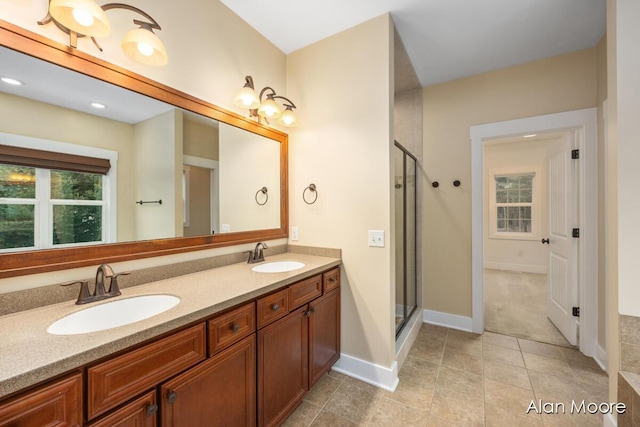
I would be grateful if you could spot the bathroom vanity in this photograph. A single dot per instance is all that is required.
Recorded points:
(241, 348)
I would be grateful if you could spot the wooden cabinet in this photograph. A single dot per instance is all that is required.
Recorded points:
(115, 381)
(220, 392)
(282, 367)
(142, 412)
(296, 350)
(215, 373)
(324, 334)
(56, 404)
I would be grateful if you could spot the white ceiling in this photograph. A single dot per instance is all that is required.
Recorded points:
(445, 39)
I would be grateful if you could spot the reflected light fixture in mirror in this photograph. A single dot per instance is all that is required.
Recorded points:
(80, 18)
(267, 109)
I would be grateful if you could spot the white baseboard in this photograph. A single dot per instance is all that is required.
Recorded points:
(601, 357)
(453, 321)
(523, 268)
(610, 421)
(379, 376)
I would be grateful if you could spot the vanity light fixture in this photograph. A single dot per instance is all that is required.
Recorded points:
(80, 18)
(11, 81)
(530, 136)
(267, 108)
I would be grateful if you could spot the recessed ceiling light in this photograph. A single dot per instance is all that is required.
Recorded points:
(98, 105)
(10, 81)
(530, 136)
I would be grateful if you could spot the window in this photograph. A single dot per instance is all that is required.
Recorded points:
(52, 199)
(514, 204)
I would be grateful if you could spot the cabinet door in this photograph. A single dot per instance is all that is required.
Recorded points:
(282, 367)
(324, 334)
(55, 404)
(219, 392)
(142, 412)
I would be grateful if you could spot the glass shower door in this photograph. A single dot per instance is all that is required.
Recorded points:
(405, 227)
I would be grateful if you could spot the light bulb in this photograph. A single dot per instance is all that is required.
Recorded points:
(247, 100)
(83, 17)
(145, 49)
(269, 111)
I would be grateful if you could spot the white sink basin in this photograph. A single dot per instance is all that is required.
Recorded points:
(278, 266)
(113, 314)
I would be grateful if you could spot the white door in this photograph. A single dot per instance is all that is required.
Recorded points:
(562, 276)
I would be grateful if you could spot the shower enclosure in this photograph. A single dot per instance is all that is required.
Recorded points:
(405, 227)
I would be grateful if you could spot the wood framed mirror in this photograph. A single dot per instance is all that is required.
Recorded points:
(24, 262)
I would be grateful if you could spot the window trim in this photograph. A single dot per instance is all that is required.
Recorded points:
(536, 202)
(109, 181)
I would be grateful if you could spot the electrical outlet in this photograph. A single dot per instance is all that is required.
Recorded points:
(294, 233)
(225, 228)
(376, 238)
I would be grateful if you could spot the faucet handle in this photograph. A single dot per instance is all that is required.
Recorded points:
(84, 296)
(114, 289)
(250, 260)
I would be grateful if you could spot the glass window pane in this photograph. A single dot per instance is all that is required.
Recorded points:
(513, 213)
(525, 212)
(526, 226)
(501, 196)
(513, 181)
(501, 212)
(501, 182)
(75, 186)
(77, 224)
(513, 226)
(17, 182)
(17, 226)
(513, 196)
(501, 225)
(526, 196)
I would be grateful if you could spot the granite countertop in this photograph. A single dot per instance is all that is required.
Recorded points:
(29, 354)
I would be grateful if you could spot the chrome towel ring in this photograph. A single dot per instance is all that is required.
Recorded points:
(312, 188)
(264, 191)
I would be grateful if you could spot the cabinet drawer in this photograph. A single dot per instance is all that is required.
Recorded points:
(331, 279)
(115, 381)
(57, 403)
(302, 292)
(273, 307)
(231, 327)
(142, 412)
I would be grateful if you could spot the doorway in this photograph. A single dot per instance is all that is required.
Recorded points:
(516, 258)
(200, 196)
(583, 122)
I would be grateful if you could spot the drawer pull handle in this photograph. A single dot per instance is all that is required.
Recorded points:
(307, 313)
(313, 309)
(235, 327)
(151, 410)
(172, 396)
(275, 307)
(332, 279)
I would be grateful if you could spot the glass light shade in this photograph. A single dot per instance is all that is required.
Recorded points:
(270, 109)
(144, 46)
(288, 118)
(84, 17)
(247, 98)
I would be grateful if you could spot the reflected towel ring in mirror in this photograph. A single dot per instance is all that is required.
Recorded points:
(312, 188)
(264, 191)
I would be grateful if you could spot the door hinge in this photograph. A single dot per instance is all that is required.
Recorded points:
(576, 233)
(575, 154)
(575, 311)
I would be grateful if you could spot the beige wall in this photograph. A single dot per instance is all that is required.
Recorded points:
(248, 162)
(157, 153)
(343, 145)
(512, 254)
(200, 140)
(199, 182)
(552, 85)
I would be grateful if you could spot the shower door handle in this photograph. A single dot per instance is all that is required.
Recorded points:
(545, 241)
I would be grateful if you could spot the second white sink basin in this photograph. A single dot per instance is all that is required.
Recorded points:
(113, 314)
(278, 266)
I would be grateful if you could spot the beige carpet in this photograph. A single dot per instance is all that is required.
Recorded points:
(515, 304)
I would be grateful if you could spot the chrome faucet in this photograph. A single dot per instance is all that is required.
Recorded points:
(99, 292)
(257, 255)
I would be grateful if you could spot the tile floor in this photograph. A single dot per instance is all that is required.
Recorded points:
(458, 379)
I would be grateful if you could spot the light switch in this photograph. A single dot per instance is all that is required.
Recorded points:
(294, 233)
(225, 228)
(376, 238)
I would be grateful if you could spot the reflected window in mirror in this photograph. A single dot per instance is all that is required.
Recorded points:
(50, 198)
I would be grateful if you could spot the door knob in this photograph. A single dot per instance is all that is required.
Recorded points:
(545, 241)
